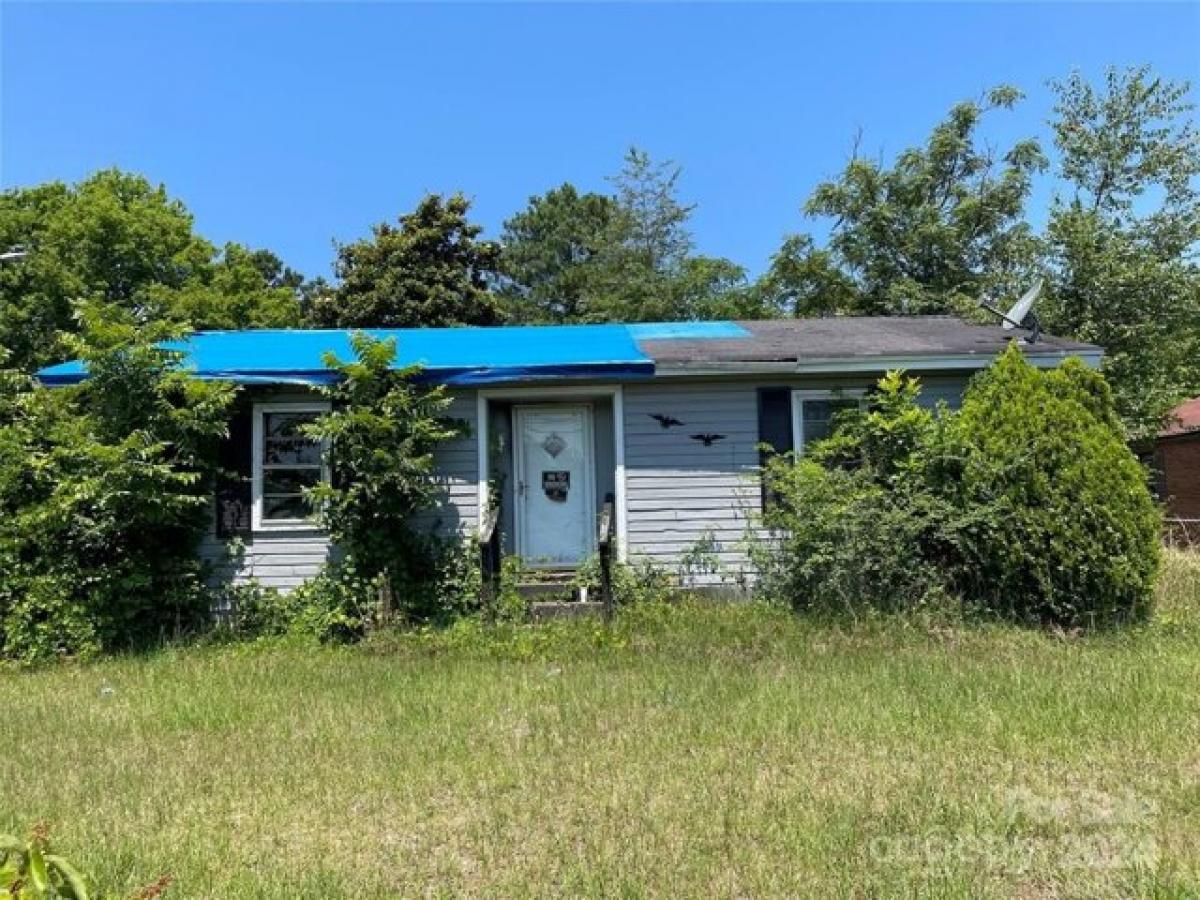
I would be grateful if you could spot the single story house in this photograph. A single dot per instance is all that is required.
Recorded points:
(660, 424)
(1174, 458)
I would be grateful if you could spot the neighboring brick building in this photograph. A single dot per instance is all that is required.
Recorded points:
(1177, 465)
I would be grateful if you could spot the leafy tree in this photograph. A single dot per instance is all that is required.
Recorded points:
(431, 270)
(625, 257)
(711, 287)
(104, 494)
(1122, 244)
(312, 292)
(649, 273)
(382, 431)
(943, 225)
(1134, 135)
(554, 254)
(36, 292)
(807, 280)
(116, 238)
(240, 288)
(654, 228)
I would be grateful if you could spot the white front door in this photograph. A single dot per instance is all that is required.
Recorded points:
(556, 487)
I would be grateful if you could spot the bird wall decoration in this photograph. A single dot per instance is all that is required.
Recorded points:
(707, 439)
(664, 420)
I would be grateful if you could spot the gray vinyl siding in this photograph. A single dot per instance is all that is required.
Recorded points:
(284, 559)
(946, 389)
(457, 466)
(682, 496)
(679, 492)
(279, 560)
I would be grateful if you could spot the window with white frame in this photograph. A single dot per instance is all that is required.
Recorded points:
(286, 463)
(814, 413)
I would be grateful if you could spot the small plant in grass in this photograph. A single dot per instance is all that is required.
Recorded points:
(702, 560)
(640, 581)
(29, 871)
(1177, 601)
(509, 605)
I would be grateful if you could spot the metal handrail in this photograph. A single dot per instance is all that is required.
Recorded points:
(487, 529)
(489, 555)
(606, 531)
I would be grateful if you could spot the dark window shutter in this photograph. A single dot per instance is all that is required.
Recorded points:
(774, 429)
(233, 482)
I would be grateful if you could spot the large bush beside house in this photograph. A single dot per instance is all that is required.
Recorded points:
(855, 524)
(381, 432)
(1026, 503)
(1056, 517)
(104, 491)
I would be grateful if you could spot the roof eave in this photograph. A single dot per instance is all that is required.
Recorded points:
(834, 365)
(463, 376)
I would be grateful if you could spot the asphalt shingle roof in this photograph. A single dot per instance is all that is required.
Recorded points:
(838, 337)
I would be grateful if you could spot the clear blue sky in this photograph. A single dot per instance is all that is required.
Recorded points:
(288, 125)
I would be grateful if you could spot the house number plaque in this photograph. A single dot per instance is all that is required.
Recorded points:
(556, 484)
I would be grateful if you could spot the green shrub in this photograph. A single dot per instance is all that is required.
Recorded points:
(642, 582)
(335, 606)
(382, 430)
(855, 527)
(1025, 503)
(341, 604)
(636, 581)
(252, 610)
(509, 605)
(40, 619)
(1057, 521)
(104, 496)
(441, 581)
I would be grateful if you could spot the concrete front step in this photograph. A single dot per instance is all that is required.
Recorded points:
(533, 590)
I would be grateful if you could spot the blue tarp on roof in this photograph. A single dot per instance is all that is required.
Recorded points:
(461, 356)
(665, 331)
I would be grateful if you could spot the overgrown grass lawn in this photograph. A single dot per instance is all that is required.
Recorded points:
(691, 750)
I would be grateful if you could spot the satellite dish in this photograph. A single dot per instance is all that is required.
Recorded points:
(1021, 315)
(1015, 317)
